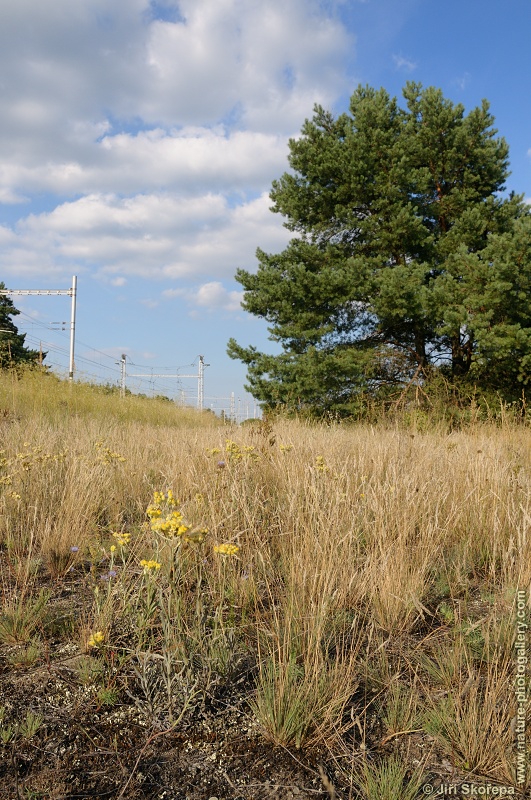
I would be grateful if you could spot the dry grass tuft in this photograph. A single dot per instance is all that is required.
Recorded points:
(359, 582)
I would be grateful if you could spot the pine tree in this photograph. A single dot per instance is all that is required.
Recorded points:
(13, 351)
(409, 258)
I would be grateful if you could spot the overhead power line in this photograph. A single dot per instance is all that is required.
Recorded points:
(85, 365)
(200, 377)
(72, 292)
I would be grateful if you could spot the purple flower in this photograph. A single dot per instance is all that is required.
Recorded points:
(112, 573)
(74, 549)
(221, 464)
(104, 577)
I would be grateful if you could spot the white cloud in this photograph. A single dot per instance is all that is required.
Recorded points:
(154, 236)
(191, 160)
(266, 62)
(214, 295)
(148, 303)
(70, 71)
(143, 144)
(7, 236)
(404, 64)
(8, 196)
(211, 296)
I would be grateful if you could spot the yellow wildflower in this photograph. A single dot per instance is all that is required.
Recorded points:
(320, 464)
(149, 565)
(233, 450)
(96, 639)
(172, 525)
(195, 537)
(153, 511)
(122, 538)
(106, 455)
(167, 520)
(226, 549)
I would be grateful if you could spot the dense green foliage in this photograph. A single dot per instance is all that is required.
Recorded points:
(409, 259)
(13, 351)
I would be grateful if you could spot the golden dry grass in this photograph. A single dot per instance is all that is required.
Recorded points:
(355, 543)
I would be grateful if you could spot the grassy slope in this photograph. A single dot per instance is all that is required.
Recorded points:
(369, 612)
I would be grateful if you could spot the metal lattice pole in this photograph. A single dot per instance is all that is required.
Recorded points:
(72, 292)
(122, 375)
(200, 379)
(201, 383)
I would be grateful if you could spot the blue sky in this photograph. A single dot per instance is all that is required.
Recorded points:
(139, 141)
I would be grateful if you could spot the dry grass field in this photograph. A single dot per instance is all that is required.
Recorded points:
(275, 610)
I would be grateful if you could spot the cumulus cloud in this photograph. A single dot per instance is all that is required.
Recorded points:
(156, 236)
(211, 296)
(192, 159)
(260, 61)
(72, 73)
(140, 138)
